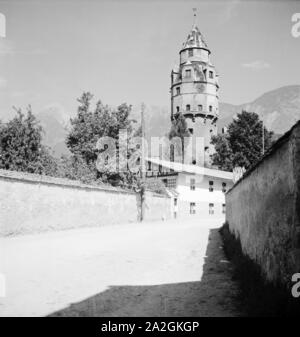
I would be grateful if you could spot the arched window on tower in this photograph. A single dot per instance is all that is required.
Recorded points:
(188, 107)
(177, 109)
(178, 91)
(172, 152)
(210, 108)
(191, 52)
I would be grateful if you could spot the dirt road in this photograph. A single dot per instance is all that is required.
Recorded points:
(173, 268)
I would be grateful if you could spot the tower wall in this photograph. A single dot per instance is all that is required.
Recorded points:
(199, 54)
(194, 89)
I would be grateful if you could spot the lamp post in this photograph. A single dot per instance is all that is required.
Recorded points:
(142, 182)
(263, 137)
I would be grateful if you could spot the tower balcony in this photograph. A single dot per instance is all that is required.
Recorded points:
(201, 111)
(205, 115)
(193, 80)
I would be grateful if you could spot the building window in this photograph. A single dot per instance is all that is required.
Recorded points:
(200, 107)
(149, 165)
(224, 130)
(191, 52)
(191, 130)
(224, 187)
(192, 208)
(177, 109)
(211, 186)
(211, 74)
(211, 210)
(192, 184)
(224, 208)
(178, 91)
(175, 201)
(210, 108)
(188, 108)
(188, 73)
(171, 183)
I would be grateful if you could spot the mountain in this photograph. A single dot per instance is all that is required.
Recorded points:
(280, 109)
(157, 119)
(55, 123)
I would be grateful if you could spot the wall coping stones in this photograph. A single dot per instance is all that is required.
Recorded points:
(48, 180)
(280, 141)
(63, 182)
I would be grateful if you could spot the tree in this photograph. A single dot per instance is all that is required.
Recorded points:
(242, 145)
(75, 168)
(21, 146)
(223, 156)
(48, 164)
(89, 126)
(179, 129)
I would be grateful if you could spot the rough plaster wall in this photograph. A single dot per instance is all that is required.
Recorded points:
(29, 207)
(157, 207)
(296, 157)
(261, 211)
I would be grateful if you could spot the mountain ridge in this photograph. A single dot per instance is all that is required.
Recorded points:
(279, 108)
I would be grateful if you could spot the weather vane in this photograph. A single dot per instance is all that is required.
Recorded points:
(195, 14)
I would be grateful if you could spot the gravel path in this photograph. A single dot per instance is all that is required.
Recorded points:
(171, 268)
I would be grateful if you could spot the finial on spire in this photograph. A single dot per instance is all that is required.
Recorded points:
(195, 15)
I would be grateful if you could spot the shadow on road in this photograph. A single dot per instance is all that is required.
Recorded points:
(213, 295)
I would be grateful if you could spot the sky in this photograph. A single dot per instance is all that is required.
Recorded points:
(123, 51)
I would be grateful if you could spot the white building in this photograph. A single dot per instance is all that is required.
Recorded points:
(199, 191)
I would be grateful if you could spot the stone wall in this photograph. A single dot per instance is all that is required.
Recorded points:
(157, 207)
(32, 203)
(263, 209)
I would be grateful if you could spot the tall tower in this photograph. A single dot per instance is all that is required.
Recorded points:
(194, 89)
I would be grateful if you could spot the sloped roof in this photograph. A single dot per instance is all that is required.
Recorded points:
(195, 39)
(172, 192)
(194, 169)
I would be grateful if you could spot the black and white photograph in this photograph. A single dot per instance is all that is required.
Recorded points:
(149, 161)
